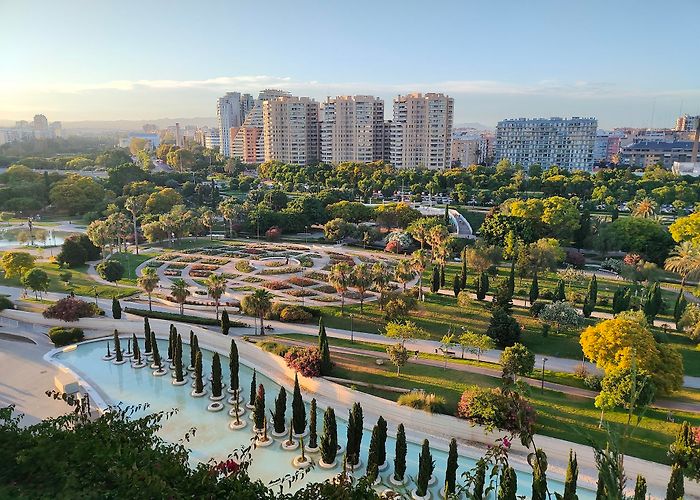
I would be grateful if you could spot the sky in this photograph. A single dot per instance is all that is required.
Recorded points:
(625, 62)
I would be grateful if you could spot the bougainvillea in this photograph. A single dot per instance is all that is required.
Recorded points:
(306, 361)
(71, 309)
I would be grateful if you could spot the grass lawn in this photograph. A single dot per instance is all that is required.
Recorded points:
(131, 261)
(558, 415)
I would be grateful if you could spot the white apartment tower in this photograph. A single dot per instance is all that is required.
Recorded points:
(421, 131)
(352, 129)
(231, 111)
(565, 142)
(291, 130)
(247, 141)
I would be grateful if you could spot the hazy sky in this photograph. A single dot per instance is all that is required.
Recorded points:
(626, 62)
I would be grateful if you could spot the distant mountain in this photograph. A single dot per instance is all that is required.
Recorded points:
(476, 125)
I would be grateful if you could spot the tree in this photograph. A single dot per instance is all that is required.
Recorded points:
(684, 260)
(324, 349)
(259, 302)
(640, 488)
(679, 308)
(398, 355)
(627, 388)
(419, 260)
(589, 302)
(560, 314)
(110, 270)
(463, 272)
(340, 279)
(542, 255)
(403, 272)
(179, 369)
(479, 479)
(621, 299)
(180, 292)
(225, 322)
(381, 279)
(419, 229)
(571, 478)
(148, 281)
(426, 466)
(361, 279)
(355, 429)
(404, 331)
(372, 464)
(509, 484)
(329, 437)
(259, 409)
(207, 220)
(381, 441)
(16, 263)
(652, 302)
(278, 416)
(215, 375)
(198, 382)
(456, 282)
(72, 253)
(451, 468)
(36, 280)
(136, 205)
(76, 194)
(482, 286)
(313, 437)
(253, 393)
(116, 308)
(647, 237)
(233, 367)
(435, 280)
(216, 286)
(534, 290)
(298, 409)
(474, 343)
(645, 208)
(482, 257)
(400, 454)
(560, 292)
(538, 462)
(503, 329)
(517, 360)
(675, 489)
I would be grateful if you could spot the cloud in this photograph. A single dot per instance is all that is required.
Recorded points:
(253, 84)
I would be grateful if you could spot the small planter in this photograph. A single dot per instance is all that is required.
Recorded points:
(251, 415)
(160, 373)
(384, 466)
(217, 398)
(196, 394)
(264, 444)
(179, 382)
(250, 405)
(395, 482)
(354, 467)
(128, 354)
(115, 362)
(237, 426)
(314, 449)
(290, 446)
(138, 365)
(108, 358)
(232, 400)
(341, 450)
(416, 496)
(155, 366)
(301, 462)
(172, 366)
(441, 494)
(258, 431)
(279, 434)
(432, 481)
(190, 368)
(303, 434)
(204, 383)
(232, 412)
(234, 391)
(324, 465)
(215, 406)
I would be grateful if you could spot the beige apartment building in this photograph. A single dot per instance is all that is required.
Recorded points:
(247, 141)
(352, 129)
(291, 130)
(421, 131)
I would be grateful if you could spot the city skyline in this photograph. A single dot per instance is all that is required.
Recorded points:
(526, 63)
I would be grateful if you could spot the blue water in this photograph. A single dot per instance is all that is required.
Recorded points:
(213, 438)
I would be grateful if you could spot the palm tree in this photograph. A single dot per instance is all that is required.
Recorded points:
(644, 208)
(135, 205)
(419, 261)
(439, 237)
(148, 281)
(361, 278)
(684, 260)
(216, 286)
(404, 272)
(260, 301)
(180, 292)
(207, 220)
(381, 278)
(340, 279)
(231, 210)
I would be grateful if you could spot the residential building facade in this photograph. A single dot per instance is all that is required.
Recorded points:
(471, 147)
(421, 131)
(247, 141)
(352, 129)
(231, 111)
(687, 123)
(291, 130)
(567, 143)
(647, 153)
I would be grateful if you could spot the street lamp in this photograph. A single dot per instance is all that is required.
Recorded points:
(544, 360)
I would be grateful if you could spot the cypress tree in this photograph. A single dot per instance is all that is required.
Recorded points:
(372, 465)
(482, 286)
(146, 332)
(225, 322)
(118, 347)
(259, 410)
(640, 488)
(538, 462)
(400, 454)
(355, 429)
(675, 489)
(216, 375)
(324, 349)
(679, 308)
(589, 302)
(652, 302)
(179, 374)
(194, 349)
(593, 289)
(233, 366)
(156, 353)
(426, 466)
(109, 353)
(137, 349)
(435, 280)
(446, 217)
(456, 284)
(116, 308)
(198, 382)
(451, 469)
(463, 274)
(298, 409)
(171, 345)
(571, 478)
(253, 385)
(534, 290)
(509, 484)
(280, 410)
(148, 348)
(442, 276)
(560, 292)
(511, 278)
(313, 437)
(381, 441)
(621, 299)
(600, 493)
(329, 437)
(479, 479)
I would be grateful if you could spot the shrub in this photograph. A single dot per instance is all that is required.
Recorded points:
(301, 281)
(5, 303)
(593, 382)
(464, 299)
(276, 285)
(422, 401)
(294, 314)
(273, 347)
(71, 309)
(306, 361)
(575, 258)
(547, 295)
(603, 302)
(61, 335)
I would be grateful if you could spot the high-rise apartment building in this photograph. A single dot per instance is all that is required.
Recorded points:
(352, 129)
(291, 130)
(687, 123)
(231, 111)
(567, 143)
(472, 147)
(247, 141)
(421, 131)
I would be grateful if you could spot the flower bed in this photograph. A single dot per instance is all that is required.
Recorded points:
(300, 293)
(273, 263)
(172, 272)
(282, 270)
(305, 261)
(244, 266)
(200, 274)
(177, 317)
(317, 275)
(204, 267)
(155, 263)
(167, 256)
(301, 281)
(176, 265)
(326, 289)
(276, 285)
(252, 279)
(356, 295)
(366, 259)
(212, 260)
(325, 298)
(188, 258)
